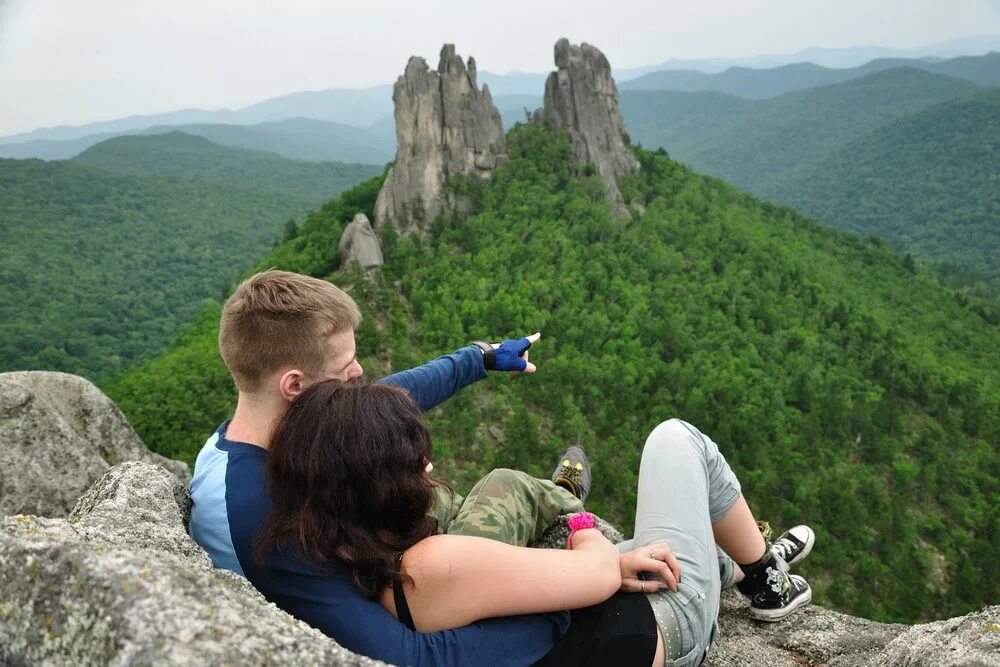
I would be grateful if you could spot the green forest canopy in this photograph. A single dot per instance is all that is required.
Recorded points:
(904, 154)
(928, 183)
(847, 389)
(99, 270)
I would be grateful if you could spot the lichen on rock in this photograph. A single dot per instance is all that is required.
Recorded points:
(121, 583)
(58, 435)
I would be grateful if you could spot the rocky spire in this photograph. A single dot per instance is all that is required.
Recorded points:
(581, 97)
(359, 245)
(445, 126)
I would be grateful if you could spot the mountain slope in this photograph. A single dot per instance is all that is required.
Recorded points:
(928, 183)
(828, 371)
(179, 155)
(682, 122)
(98, 270)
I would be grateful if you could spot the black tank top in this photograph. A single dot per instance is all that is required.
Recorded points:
(402, 608)
(619, 631)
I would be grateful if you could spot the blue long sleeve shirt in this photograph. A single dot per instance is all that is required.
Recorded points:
(230, 505)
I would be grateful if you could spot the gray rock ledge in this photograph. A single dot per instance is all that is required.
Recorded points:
(58, 435)
(120, 583)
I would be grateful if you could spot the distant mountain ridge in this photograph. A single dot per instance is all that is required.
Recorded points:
(826, 57)
(766, 83)
(749, 142)
(179, 155)
(292, 138)
(363, 107)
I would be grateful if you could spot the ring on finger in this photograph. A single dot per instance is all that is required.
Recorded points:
(643, 582)
(652, 554)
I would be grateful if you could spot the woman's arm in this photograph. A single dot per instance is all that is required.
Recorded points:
(458, 580)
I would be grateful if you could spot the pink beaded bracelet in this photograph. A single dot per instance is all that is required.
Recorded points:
(579, 521)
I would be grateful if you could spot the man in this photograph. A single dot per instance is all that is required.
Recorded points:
(281, 332)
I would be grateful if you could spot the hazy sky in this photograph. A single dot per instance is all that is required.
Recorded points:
(79, 61)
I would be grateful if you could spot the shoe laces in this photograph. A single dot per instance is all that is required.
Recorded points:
(784, 548)
(572, 474)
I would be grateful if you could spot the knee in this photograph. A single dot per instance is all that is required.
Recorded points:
(673, 433)
(675, 429)
(674, 426)
(504, 478)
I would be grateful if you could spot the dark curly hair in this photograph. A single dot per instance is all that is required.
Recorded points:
(345, 470)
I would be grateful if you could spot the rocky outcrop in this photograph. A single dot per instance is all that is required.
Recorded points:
(445, 127)
(58, 435)
(359, 245)
(120, 583)
(581, 97)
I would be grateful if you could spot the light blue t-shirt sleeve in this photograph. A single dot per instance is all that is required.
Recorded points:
(209, 524)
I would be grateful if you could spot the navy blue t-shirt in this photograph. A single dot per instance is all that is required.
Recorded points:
(230, 505)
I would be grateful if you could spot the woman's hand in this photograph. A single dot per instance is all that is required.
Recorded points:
(655, 559)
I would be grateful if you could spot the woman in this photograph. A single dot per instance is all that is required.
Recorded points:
(348, 474)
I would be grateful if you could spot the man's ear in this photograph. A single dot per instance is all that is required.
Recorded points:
(291, 384)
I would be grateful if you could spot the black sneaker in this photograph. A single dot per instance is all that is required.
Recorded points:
(573, 473)
(771, 607)
(794, 544)
(773, 593)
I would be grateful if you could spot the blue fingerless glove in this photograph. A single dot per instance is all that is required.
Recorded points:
(507, 357)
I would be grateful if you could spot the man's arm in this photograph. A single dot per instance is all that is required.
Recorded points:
(438, 380)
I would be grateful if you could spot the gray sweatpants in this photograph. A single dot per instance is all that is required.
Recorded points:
(685, 485)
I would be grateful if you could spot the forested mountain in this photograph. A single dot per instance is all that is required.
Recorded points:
(179, 155)
(295, 138)
(764, 83)
(847, 389)
(865, 155)
(98, 270)
(752, 143)
(928, 183)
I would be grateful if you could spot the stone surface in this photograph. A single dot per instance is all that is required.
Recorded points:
(359, 245)
(581, 97)
(58, 435)
(972, 640)
(120, 583)
(445, 127)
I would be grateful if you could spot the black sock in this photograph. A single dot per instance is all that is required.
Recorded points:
(754, 574)
(759, 564)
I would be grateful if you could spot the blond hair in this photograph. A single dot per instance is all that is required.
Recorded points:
(277, 318)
